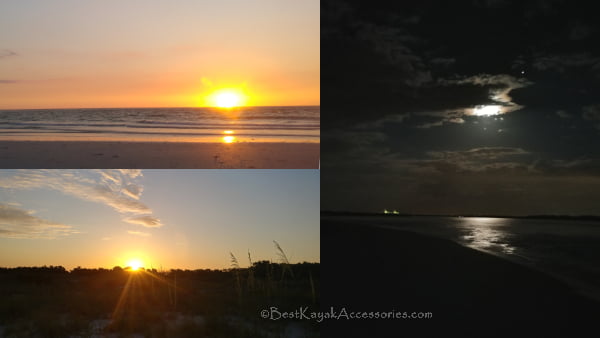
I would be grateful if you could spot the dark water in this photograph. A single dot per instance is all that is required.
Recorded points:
(566, 249)
(245, 124)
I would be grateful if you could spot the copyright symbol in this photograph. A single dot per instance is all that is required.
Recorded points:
(264, 314)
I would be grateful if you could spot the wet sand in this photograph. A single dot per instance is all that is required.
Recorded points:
(468, 292)
(157, 155)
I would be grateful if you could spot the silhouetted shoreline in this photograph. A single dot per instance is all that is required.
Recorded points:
(555, 217)
(468, 292)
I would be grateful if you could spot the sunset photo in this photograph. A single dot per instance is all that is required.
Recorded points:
(158, 253)
(136, 84)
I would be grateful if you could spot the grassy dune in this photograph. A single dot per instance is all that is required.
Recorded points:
(54, 302)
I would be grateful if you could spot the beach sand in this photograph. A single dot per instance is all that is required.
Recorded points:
(468, 292)
(157, 155)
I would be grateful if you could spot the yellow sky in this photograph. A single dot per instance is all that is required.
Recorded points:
(69, 54)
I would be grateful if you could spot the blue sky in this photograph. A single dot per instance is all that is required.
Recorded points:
(169, 218)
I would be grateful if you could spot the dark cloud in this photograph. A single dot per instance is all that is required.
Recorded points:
(491, 3)
(563, 114)
(562, 63)
(408, 87)
(7, 81)
(443, 61)
(579, 31)
(591, 112)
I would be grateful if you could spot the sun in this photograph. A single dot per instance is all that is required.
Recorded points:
(135, 264)
(227, 98)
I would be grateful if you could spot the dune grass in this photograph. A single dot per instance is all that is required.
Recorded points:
(54, 302)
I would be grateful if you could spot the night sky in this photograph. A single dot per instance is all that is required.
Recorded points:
(461, 107)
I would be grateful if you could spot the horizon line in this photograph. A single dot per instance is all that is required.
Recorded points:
(145, 268)
(297, 105)
(400, 214)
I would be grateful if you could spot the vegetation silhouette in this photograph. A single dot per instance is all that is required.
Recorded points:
(51, 301)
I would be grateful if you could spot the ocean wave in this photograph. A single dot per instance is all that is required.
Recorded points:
(281, 122)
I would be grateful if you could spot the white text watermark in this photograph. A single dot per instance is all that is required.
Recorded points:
(304, 313)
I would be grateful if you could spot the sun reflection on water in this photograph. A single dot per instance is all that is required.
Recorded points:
(229, 138)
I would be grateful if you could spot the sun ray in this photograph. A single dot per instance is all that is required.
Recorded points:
(135, 264)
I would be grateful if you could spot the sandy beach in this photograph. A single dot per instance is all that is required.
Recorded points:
(468, 292)
(157, 155)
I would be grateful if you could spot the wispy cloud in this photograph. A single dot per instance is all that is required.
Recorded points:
(138, 233)
(147, 221)
(118, 189)
(19, 223)
(5, 53)
(562, 63)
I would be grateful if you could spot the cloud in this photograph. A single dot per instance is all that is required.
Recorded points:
(562, 62)
(5, 53)
(591, 112)
(393, 118)
(563, 114)
(139, 233)
(117, 189)
(133, 191)
(19, 223)
(573, 167)
(392, 44)
(476, 160)
(8, 81)
(497, 87)
(147, 221)
(492, 4)
(500, 86)
(445, 62)
(579, 31)
(484, 153)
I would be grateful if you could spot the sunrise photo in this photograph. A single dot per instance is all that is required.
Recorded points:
(158, 253)
(156, 84)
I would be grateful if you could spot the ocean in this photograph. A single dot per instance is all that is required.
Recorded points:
(244, 124)
(566, 249)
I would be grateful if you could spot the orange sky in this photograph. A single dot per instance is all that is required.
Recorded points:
(69, 54)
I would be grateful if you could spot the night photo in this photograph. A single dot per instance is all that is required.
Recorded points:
(461, 165)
